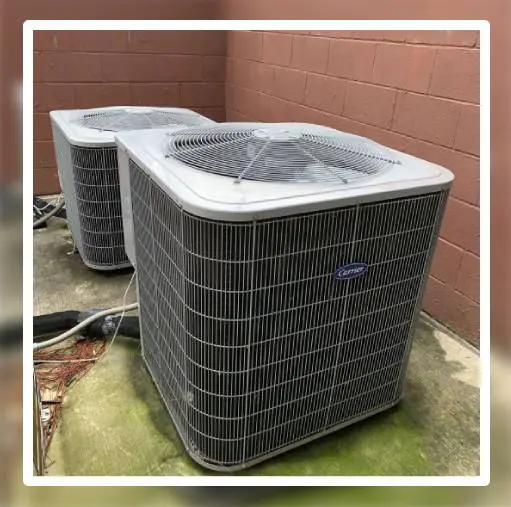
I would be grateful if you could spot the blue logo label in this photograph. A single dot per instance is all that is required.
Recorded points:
(351, 271)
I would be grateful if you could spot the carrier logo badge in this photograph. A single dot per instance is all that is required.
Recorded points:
(351, 271)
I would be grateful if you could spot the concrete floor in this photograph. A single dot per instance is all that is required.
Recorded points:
(113, 422)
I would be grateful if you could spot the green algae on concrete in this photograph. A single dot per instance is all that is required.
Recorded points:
(107, 429)
(114, 423)
(385, 444)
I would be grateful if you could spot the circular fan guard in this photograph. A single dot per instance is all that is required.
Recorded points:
(116, 120)
(280, 153)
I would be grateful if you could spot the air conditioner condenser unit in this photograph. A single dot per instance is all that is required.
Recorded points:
(280, 271)
(88, 172)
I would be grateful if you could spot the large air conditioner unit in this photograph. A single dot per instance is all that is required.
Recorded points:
(87, 166)
(280, 274)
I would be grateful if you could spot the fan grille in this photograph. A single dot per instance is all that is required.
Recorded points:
(116, 120)
(280, 153)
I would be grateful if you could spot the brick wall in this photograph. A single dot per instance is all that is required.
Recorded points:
(83, 69)
(414, 91)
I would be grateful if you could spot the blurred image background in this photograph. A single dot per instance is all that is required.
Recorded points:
(12, 15)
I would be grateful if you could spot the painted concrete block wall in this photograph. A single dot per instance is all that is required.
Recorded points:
(414, 91)
(83, 69)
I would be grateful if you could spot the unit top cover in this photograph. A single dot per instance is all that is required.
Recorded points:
(256, 170)
(83, 126)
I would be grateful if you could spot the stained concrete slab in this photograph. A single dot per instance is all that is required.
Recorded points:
(114, 423)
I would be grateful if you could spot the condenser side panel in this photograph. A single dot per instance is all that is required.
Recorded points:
(66, 179)
(96, 181)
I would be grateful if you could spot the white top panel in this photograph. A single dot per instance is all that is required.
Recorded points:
(98, 126)
(230, 198)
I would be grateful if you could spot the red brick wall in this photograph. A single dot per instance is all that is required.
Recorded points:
(414, 91)
(83, 69)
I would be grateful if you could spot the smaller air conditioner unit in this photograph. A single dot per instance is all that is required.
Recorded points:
(89, 177)
(280, 274)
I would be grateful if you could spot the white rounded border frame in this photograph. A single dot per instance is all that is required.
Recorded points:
(30, 479)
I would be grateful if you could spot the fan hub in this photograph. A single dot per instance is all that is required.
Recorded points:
(276, 134)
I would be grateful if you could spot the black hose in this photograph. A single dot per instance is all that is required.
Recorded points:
(59, 322)
(129, 326)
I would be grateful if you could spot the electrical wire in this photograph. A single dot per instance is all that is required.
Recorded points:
(40, 210)
(123, 309)
(40, 205)
(53, 212)
(36, 211)
(46, 204)
(123, 312)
